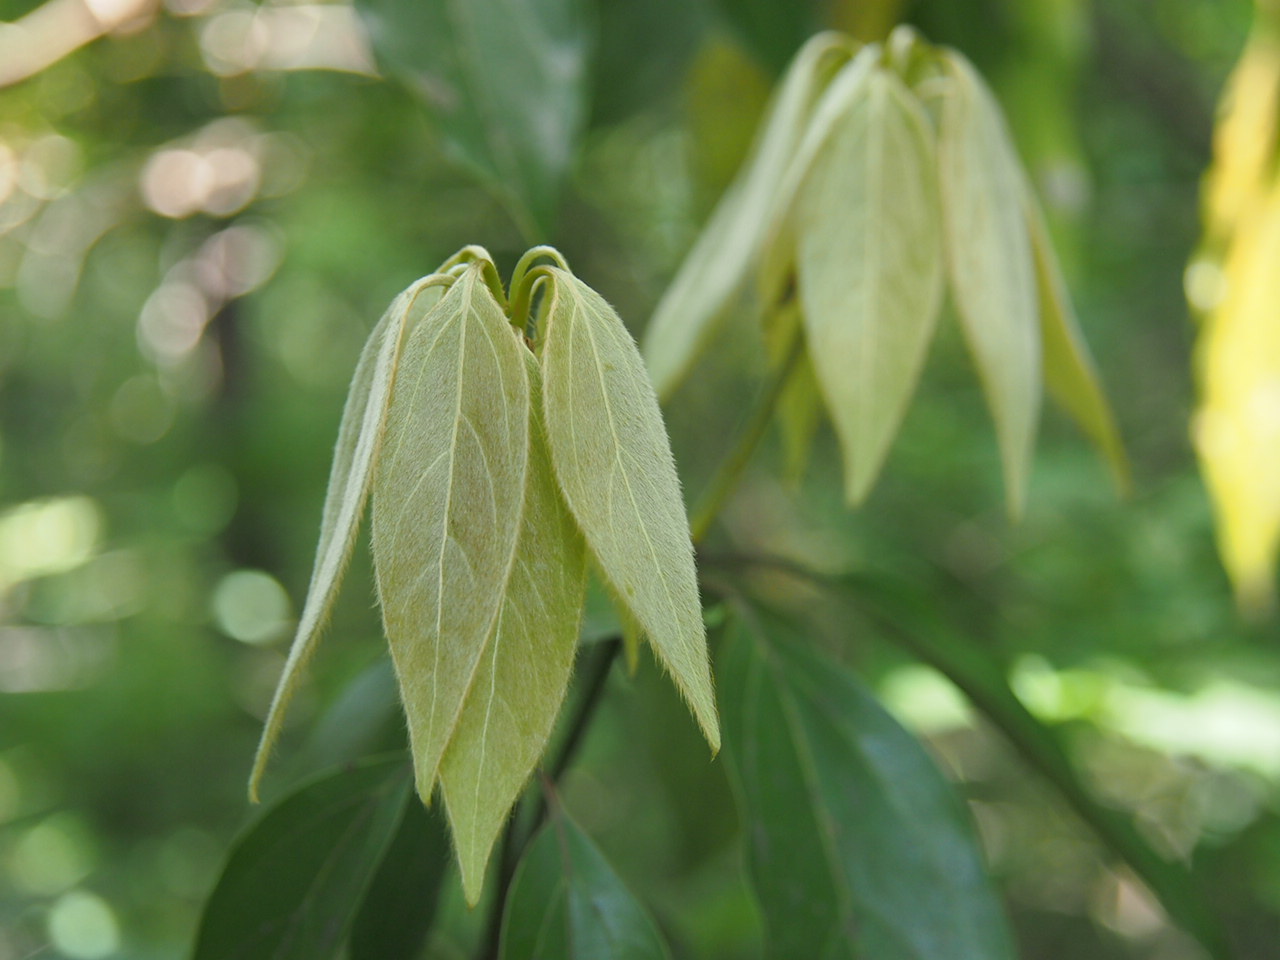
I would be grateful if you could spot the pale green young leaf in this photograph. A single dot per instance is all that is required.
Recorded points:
(1069, 371)
(359, 439)
(776, 259)
(870, 269)
(521, 681)
(447, 502)
(714, 273)
(612, 458)
(989, 256)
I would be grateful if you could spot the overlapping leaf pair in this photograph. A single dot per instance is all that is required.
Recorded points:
(882, 174)
(496, 470)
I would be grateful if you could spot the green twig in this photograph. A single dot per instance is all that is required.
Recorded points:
(731, 470)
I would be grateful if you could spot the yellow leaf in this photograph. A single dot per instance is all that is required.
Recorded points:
(989, 257)
(1237, 428)
(522, 677)
(613, 461)
(359, 439)
(870, 269)
(714, 273)
(447, 504)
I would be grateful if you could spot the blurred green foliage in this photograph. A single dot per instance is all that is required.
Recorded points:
(201, 216)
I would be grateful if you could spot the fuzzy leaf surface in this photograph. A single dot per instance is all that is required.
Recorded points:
(858, 847)
(714, 273)
(350, 478)
(447, 503)
(989, 257)
(524, 673)
(870, 269)
(613, 461)
(567, 903)
(294, 881)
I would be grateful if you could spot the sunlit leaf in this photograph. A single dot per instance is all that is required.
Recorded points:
(612, 458)
(992, 272)
(447, 504)
(1069, 371)
(505, 82)
(350, 478)
(1237, 427)
(566, 903)
(857, 846)
(1247, 137)
(870, 269)
(294, 881)
(714, 273)
(400, 904)
(521, 681)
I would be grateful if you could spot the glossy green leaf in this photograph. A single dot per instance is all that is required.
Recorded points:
(566, 903)
(611, 455)
(992, 272)
(714, 274)
(1069, 371)
(505, 83)
(294, 881)
(857, 846)
(400, 904)
(522, 678)
(447, 503)
(870, 269)
(350, 478)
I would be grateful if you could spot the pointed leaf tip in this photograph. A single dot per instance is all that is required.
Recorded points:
(359, 441)
(990, 264)
(522, 678)
(870, 269)
(613, 461)
(447, 504)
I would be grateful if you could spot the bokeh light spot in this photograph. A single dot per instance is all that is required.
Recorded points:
(47, 536)
(53, 856)
(83, 926)
(251, 606)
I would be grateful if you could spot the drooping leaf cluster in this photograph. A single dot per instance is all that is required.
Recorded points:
(503, 454)
(882, 177)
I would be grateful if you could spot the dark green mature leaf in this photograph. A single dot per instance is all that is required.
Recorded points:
(858, 847)
(400, 906)
(505, 82)
(643, 51)
(903, 616)
(295, 879)
(566, 903)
